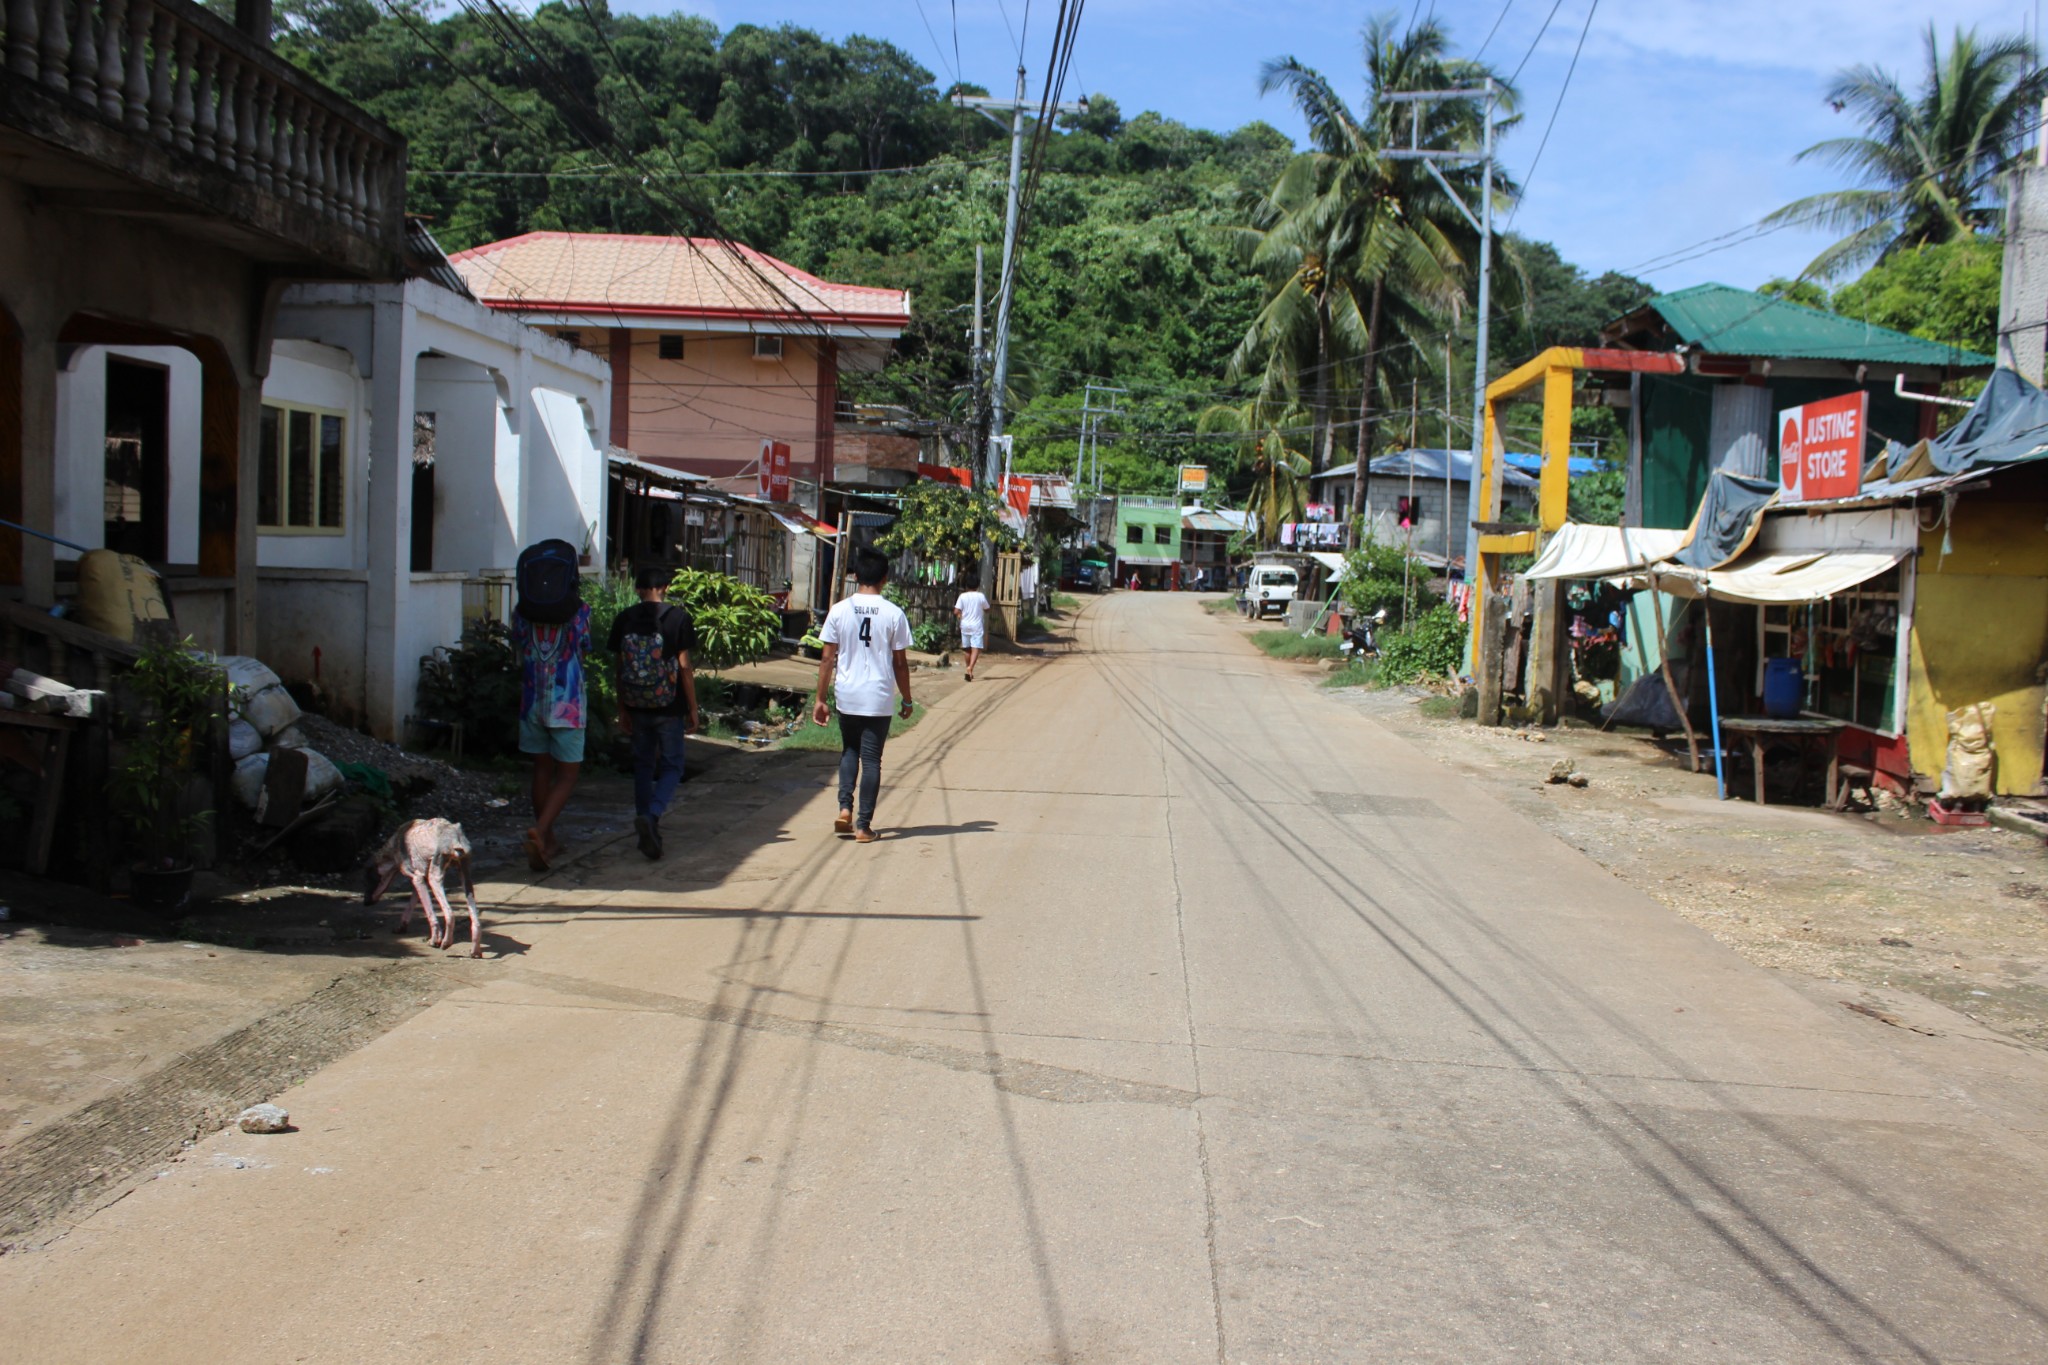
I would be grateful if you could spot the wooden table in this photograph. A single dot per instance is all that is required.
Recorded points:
(1804, 732)
(46, 761)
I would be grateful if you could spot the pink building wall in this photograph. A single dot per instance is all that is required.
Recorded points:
(708, 412)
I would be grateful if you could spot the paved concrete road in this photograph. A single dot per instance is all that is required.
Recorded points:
(1188, 1016)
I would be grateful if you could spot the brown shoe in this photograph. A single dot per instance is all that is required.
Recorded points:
(865, 835)
(842, 823)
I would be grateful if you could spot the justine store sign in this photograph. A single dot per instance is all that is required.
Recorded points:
(1820, 448)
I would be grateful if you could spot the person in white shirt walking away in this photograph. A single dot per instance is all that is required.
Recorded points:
(866, 664)
(971, 611)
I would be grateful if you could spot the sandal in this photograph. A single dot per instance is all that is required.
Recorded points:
(842, 823)
(864, 835)
(536, 858)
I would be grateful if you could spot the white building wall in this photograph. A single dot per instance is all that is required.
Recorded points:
(308, 373)
(470, 517)
(80, 486)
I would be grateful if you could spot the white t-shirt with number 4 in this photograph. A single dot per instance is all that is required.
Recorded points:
(973, 609)
(869, 629)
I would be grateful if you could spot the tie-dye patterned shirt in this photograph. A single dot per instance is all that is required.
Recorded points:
(551, 669)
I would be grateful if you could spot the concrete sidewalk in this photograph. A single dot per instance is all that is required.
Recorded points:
(1184, 1015)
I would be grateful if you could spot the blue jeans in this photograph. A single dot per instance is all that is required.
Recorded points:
(657, 761)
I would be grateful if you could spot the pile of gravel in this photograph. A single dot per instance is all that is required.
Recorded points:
(426, 786)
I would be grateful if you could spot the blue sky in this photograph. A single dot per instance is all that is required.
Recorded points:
(1680, 124)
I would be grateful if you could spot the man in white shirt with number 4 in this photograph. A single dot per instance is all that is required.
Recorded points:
(867, 665)
(971, 611)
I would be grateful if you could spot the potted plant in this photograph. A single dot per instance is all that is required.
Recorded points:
(176, 698)
(583, 558)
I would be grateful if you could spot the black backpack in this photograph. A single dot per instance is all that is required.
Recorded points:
(547, 581)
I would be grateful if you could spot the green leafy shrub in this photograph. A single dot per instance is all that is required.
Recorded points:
(172, 698)
(476, 685)
(1431, 646)
(1373, 580)
(736, 624)
(931, 637)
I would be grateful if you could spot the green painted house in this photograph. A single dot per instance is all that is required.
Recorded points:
(1147, 536)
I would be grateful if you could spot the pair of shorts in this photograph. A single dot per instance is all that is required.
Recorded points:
(559, 742)
(971, 639)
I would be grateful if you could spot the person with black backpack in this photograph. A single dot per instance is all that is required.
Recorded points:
(550, 629)
(657, 698)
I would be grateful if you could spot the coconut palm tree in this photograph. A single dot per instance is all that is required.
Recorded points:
(1928, 163)
(1279, 474)
(1360, 248)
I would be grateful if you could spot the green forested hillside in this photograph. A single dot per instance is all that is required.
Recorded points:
(845, 159)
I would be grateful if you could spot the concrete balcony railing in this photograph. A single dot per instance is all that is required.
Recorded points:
(164, 95)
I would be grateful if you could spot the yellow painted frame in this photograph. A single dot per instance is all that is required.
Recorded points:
(1553, 372)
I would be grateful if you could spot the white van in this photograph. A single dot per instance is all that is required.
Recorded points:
(1269, 589)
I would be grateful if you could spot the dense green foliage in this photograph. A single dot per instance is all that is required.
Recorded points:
(476, 685)
(1947, 292)
(736, 622)
(1377, 577)
(1431, 646)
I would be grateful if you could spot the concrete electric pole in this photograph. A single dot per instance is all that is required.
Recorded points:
(1483, 222)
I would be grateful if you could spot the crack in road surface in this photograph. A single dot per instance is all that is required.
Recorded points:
(1029, 1080)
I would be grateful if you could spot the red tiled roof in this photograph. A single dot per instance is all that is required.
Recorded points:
(652, 277)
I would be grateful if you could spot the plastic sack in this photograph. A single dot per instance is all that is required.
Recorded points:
(247, 782)
(243, 739)
(322, 776)
(1967, 774)
(116, 593)
(250, 675)
(291, 737)
(270, 710)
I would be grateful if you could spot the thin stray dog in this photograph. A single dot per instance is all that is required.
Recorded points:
(424, 850)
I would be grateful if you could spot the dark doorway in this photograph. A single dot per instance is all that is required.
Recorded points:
(138, 460)
(423, 492)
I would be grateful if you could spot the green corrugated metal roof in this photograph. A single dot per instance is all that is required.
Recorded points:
(1729, 321)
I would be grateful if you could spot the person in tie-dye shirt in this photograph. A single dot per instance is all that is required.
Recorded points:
(551, 720)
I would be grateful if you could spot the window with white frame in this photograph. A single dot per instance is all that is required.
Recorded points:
(301, 463)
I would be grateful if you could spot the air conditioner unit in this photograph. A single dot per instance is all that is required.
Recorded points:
(767, 348)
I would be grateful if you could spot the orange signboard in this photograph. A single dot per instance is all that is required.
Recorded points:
(1820, 448)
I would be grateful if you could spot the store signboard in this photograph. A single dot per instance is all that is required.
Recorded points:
(1194, 478)
(775, 471)
(1820, 448)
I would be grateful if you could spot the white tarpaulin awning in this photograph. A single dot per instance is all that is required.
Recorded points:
(1772, 577)
(1579, 551)
(1333, 562)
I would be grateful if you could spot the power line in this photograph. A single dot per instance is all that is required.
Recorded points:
(1510, 4)
(1534, 41)
(935, 41)
(1563, 90)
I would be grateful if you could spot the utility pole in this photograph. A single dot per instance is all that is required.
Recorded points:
(1489, 93)
(992, 107)
(978, 354)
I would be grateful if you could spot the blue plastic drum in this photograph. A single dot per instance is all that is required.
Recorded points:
(1784, 688)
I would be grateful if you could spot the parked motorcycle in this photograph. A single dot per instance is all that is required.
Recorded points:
(1363, 641)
